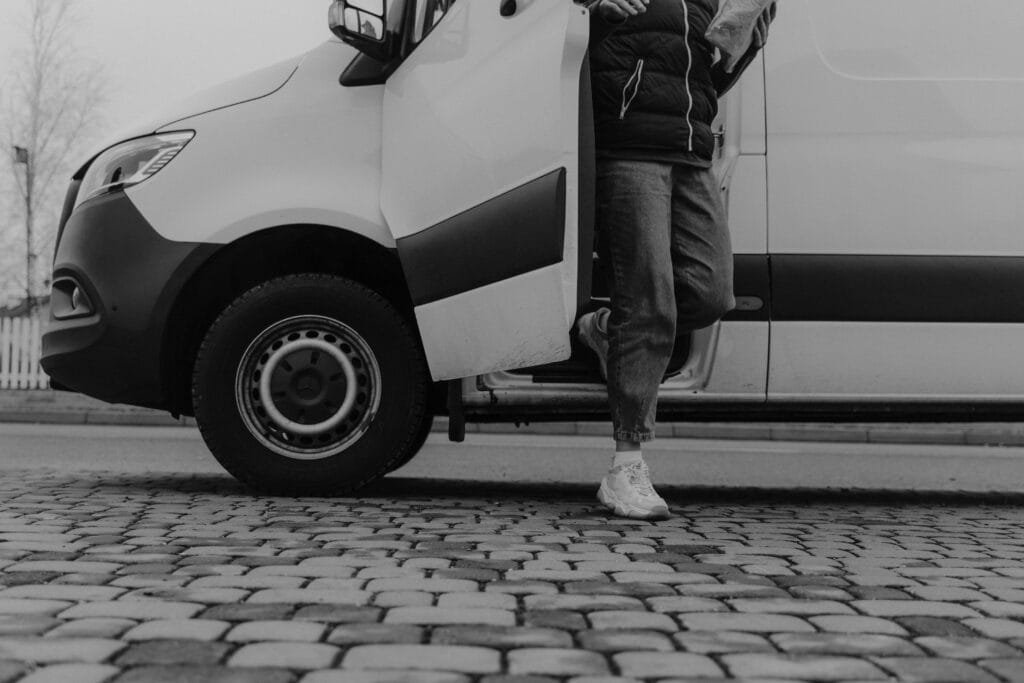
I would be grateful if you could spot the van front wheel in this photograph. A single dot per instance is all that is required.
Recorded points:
(310, 385)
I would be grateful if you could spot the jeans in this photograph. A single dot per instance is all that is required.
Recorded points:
(664, 231)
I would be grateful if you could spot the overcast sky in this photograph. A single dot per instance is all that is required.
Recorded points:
(153, 51)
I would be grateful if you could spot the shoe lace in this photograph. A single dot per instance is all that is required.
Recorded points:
(640, 478)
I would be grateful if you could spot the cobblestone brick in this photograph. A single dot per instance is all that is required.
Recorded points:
(819, 593)
(59, 592)
(732, 590)
(560, 619)
(810, 667)
(721, 642)
(449, 615)
(338, 614)
(359, 634)
(637, 590)
(857, 624)
(91, 628)
(581, 603)
(391, 676)
(27, 606)
(913, 608)
(633, 620)
(946, 593)
(1011, 670)
(757, 623)
(556, 662)
(404, 599)
(133, 609)
(203, 674)
(302, 596)
(927, 670)
(996, 628)
(622, 641)
(935, 626)
(303, 631)
(473, 600)
(664, 664)
(790, 606)
(521, 587)
(58, 650)
(290, 655)
(71, 673)
(248, 612)
(994, 608)
(968, 648)
(462, 659)
(193, 652)
(861, 644)
(501, 636)
(26, 625)
(181, 629)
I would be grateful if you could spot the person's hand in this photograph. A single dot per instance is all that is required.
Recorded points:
(620, 10)
(760, 37)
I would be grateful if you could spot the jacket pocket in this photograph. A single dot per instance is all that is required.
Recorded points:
(632, 87)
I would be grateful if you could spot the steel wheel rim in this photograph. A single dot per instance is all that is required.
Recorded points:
(308, 387)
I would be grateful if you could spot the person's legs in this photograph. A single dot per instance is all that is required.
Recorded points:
(702, 260)
(634, 219)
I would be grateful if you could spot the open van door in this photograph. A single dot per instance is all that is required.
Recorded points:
(481, 179)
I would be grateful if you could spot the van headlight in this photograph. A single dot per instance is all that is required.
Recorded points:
(131, 163)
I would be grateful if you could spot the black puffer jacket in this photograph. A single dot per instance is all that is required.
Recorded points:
(654, 93)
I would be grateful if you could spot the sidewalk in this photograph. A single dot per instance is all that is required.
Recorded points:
(54, 407)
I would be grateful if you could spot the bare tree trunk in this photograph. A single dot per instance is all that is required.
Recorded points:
(51, 103)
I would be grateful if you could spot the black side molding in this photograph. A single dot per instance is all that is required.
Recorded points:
(514, 233)
(882, 288)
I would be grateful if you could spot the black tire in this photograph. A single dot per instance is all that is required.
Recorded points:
(310, 385)
(416, 445)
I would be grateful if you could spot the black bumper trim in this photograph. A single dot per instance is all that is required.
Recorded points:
(132, 276)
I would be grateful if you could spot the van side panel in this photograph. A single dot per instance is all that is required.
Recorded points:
(896, 166)
(896, 127)
(308, 154)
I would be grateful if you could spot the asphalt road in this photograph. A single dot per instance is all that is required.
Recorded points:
(552, 461)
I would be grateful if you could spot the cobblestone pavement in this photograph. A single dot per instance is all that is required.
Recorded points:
(173, 578)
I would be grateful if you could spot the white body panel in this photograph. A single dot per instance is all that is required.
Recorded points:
(450, 327)
(308, 154)
(896, 361)
(895, 127)
(482, 106)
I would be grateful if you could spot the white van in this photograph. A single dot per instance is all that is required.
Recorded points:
(315, 266)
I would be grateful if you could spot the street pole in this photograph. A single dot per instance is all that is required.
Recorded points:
(22, 156)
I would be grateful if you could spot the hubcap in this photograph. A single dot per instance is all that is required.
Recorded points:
(308, 387)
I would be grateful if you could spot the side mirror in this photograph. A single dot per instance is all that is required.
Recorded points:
(363, 25)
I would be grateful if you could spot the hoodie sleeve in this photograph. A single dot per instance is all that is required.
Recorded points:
(725, 80)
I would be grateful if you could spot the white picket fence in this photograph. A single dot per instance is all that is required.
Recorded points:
(20, 348)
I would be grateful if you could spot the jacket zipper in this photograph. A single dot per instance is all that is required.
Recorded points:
(689, 65)
(627, 100)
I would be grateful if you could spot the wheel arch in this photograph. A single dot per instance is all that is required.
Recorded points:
(240, 265)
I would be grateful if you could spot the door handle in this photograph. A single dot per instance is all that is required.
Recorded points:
(508, 8)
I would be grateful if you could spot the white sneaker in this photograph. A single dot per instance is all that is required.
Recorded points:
(627, 491)
(589, 332)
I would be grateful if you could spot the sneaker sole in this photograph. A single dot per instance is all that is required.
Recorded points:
(622, 509)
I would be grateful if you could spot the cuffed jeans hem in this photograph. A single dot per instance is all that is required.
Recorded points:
(638, 437)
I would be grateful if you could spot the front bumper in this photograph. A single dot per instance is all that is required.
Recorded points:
(111, 346)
